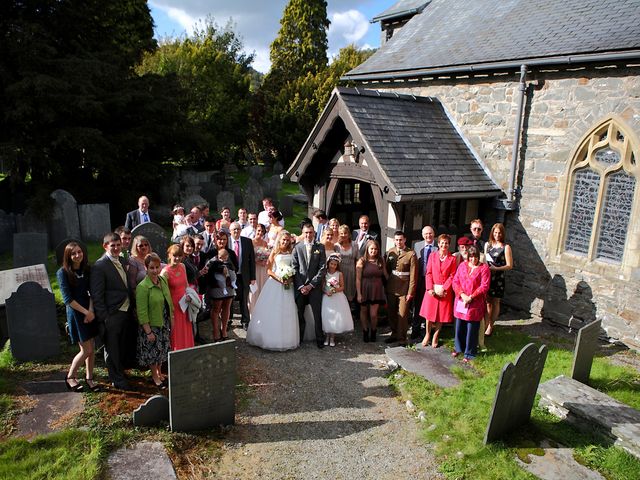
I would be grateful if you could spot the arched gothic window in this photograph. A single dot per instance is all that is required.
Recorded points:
(602, 187)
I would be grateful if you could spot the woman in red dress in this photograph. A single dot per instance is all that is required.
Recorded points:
(437, 305)
(176, 275)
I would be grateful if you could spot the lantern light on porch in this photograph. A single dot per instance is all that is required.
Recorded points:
(349, 148)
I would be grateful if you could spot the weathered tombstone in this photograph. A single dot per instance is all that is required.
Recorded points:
(29, 249)
(7, 229)
(152, 412)
(209, 191)
(191, 201)
(95, 221)
(255, 171)
(64, 221)
(276, 182)
(31, 318)
(278, 168)
(61, 246)
(157, 236)
(586, 345)
(230, 168)
(253, 195)
(30, 222)
(202, 384)
(516, 392)
(286, 206)
(225, 199)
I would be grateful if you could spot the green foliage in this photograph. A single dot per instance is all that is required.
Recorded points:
(215, 79)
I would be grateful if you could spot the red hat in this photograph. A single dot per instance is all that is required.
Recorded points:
(465, 241)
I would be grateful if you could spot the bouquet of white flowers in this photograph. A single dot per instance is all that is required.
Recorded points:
(286, 274)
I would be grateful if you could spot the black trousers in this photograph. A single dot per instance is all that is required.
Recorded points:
(242, 295)
(115, 344)
(314, 298)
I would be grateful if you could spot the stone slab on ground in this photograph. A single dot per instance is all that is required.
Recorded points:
(587, 408)
(54, 406)
(557, 463)
(431, 363)
(142, 461)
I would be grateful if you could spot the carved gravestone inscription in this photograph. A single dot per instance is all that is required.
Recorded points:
(29, 249)
(157, 236)
(31, 319)
(516, 392)
(586, 345)
(202, 386)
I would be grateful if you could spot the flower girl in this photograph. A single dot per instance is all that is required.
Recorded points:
(336, 314)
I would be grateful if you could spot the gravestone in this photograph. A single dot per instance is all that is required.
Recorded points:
(64, 221)
(30, 222)
(61, 246)
(434, 364)
(157, 236)
(7, 229)
(152, 412)
(31, 319)
(225, 199)
(95, 221)
(191, 201)
(209, 191)
(202, 384)
(255, 172)
(29, 249)
(516, 392)
(286, 206)
(253, 195)
(10, 280)
(278, 168)
(586, 345)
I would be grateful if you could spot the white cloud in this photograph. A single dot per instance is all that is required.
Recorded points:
(185, 20)
(351, 26)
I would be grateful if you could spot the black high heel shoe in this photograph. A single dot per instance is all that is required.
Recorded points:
(75, 388)
(365, 336)
(95, 387)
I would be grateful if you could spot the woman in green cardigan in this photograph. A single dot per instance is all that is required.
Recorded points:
(155, 316)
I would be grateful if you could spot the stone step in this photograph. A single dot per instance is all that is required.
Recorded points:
(593, 411)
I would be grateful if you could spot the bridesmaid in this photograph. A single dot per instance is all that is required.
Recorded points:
(155, 317)
(73, 279)
(437, 305)
(370, 271)
(140, 248)
(176, 275)
(327, 240)
(334, 226)
(348, 252)
(499, 258)
(262, 255)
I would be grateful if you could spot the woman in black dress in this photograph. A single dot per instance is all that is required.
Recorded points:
(370, 272)
(73, 279)
(498, 256)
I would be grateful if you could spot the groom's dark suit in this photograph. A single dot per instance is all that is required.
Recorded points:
(311, 273)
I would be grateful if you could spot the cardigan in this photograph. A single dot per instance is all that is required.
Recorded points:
(150, 301)
(476, 286)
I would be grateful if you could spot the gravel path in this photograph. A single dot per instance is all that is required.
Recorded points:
(326, 413)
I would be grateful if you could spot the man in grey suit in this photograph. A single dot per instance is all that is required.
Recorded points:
(140, 215)
(362, 235)
(110, 295)
(310, 263)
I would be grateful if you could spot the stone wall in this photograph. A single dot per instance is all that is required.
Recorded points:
(561, 108)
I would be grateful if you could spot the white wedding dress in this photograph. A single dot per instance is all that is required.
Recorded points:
(274, 320)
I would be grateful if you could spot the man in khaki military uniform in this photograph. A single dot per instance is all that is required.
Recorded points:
(401, 286)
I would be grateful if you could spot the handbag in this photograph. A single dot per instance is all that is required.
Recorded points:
(460, 307)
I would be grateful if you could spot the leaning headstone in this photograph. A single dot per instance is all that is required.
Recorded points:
(286, 206)
(516, 392)
(255, 171)
(64, 221)
(157, 236)
(225, 199)
(202, 384)
(7, 229)
(95, 221)
(152, 412)
(278, 168)
(61, 246)
(31, 318)
(29, 249)
(586, 345)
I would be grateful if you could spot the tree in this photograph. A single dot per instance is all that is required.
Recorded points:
(215, 77)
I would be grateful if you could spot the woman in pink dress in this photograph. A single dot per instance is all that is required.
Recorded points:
(437, 305)
(470, 284)
(176, 275)
(262, 252)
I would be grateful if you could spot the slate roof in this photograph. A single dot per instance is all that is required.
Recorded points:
(414, 143)
(400, 9)
(463, 35)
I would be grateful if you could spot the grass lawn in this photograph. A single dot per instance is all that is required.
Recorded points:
(457, 417)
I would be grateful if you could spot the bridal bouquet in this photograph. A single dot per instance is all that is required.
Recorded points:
(333, 284)
(286, 274)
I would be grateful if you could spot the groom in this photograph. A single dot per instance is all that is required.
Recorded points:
(309, 262)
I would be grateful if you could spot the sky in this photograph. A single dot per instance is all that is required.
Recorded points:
(257, 22)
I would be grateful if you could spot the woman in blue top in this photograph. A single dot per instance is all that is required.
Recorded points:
(73, 279)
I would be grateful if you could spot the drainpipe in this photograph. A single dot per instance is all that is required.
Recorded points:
(511, 194)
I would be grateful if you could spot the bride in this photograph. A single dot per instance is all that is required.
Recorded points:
(274, 320)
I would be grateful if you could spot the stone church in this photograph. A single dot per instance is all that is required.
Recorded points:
(522, 112)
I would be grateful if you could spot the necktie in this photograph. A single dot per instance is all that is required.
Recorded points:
(236, 248)
(145, 217)
(427, 252)
(196, 259)
(116, 263)
(361, 238)
(308, 248)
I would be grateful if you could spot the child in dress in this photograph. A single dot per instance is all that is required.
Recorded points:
(336, 314)
(178, 215)
(221, 288)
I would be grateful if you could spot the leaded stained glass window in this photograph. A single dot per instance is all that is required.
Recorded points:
(602, 192)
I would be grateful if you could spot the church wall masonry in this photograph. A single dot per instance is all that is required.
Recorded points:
(561, 107)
